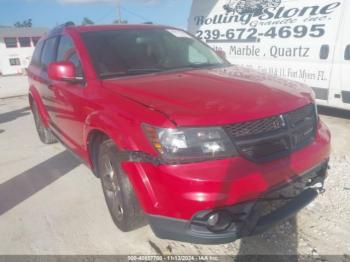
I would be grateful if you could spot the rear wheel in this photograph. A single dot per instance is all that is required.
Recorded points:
(118, 191)
(44, 133)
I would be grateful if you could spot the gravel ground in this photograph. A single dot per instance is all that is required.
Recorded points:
(41, 219)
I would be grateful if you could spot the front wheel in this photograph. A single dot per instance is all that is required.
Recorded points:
(118, 191)
(44, 133)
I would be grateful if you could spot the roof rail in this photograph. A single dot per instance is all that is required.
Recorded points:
(69, 23)
(58, 29)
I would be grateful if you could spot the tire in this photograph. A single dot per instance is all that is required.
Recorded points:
(117, 189)
(44, 133)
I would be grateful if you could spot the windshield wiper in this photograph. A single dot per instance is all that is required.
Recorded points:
(131, 72)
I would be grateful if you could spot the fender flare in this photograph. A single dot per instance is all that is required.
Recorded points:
(35, 96)
(102, 122)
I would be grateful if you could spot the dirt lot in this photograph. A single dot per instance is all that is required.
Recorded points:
(51, 204)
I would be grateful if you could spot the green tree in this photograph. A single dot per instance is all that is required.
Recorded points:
(87, 21)
(24, 23)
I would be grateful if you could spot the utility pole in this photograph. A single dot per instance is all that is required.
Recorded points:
(119, 13)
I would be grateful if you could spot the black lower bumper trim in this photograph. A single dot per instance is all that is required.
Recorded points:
(180, 230)
(286, 211)
(255, 221)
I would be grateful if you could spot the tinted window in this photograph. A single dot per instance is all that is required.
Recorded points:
(67, 52)
(347, 53)
(11, 42)
(49, 52)
(137, 51)
(64, 48)
(196, 57)
(37, 53)
(24, 41)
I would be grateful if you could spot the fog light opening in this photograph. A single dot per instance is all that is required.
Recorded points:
(213, 219)
(219, 221)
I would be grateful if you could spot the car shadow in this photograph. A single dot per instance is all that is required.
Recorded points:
(13, 115)
(334, 112)
(24, 185)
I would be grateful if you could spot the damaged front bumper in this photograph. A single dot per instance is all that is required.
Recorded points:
(245, 219)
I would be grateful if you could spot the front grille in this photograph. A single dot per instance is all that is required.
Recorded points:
(296, 117)
(256, 127)
(274, 137)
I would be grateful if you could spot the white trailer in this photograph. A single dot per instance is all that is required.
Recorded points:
(306, 41)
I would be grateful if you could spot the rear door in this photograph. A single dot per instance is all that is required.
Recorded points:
(48, 55)
(70, 99)
(34, 69)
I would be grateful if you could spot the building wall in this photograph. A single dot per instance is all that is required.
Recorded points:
(23, 53)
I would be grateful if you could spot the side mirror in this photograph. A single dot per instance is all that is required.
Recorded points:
(221, 53)
(63, 71)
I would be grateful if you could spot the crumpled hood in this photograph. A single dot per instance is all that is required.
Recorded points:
(213, 96)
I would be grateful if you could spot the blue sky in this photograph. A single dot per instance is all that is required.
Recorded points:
(49, 13)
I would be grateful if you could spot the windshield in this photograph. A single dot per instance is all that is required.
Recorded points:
(141, 51)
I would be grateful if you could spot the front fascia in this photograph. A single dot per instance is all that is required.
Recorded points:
(179, 191)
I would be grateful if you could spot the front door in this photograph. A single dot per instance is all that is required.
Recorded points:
(70, 99)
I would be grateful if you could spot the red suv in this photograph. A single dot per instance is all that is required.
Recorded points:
(202, 150)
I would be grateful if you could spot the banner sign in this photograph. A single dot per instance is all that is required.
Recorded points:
(286, 38)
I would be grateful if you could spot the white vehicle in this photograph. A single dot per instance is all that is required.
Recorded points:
(306, 41)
